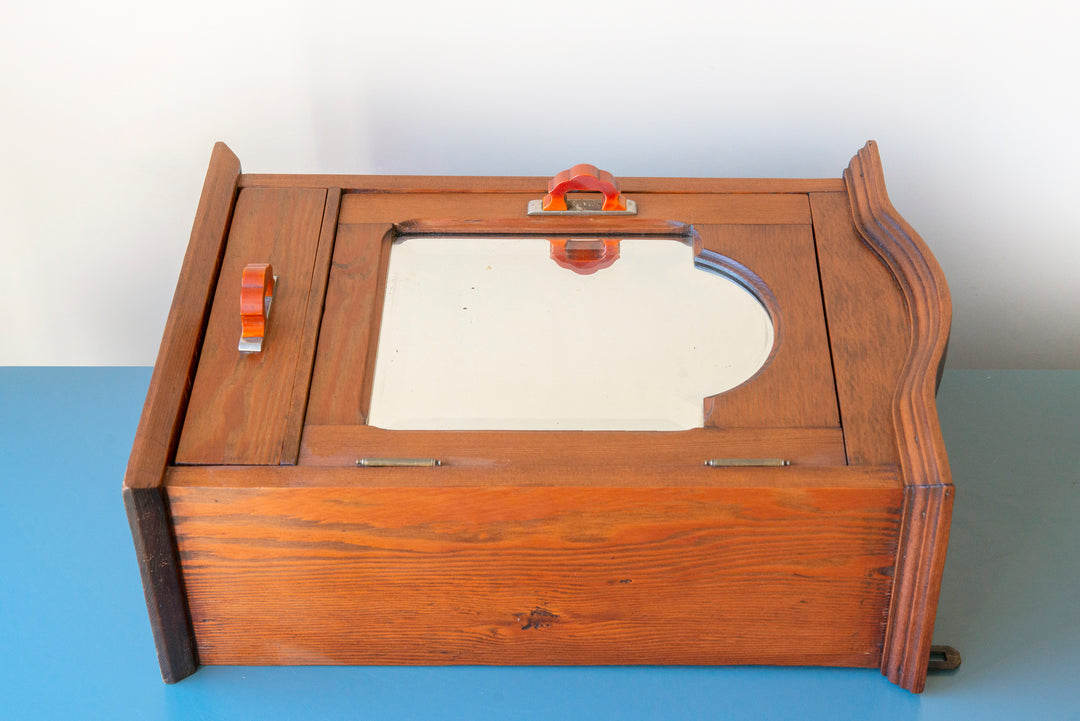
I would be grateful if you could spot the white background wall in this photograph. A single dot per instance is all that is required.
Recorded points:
(109, 109)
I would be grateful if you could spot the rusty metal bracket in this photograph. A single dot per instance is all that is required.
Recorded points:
(943, 658)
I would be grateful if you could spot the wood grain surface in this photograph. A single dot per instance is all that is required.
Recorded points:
(795, 388)
(159, 566)
(301, 384)
(923, 461)
(609, 476)
(170, 385)
(538, 185)
(751, 208)
(240, 402)
(541, 547)
(537, 575)
(341, 380)
(542, 456)
(162, 418)
(869, 339)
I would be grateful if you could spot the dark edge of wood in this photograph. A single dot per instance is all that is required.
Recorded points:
(828, 325)
(385, 246)
(162, 417)
(517, 184)
(305, 362)
(928, 492)
(155, 545)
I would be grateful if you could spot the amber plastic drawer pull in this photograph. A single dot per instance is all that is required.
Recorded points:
(257, 285)
(583, 177)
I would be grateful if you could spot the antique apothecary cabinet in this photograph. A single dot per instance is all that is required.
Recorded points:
(508, 420)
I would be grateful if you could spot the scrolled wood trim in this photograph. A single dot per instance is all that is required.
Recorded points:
(928, 490)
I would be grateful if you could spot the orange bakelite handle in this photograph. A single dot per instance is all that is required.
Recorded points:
(583, 177)
(256, 285)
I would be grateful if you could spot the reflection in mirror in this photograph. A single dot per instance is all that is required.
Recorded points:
(491, 334)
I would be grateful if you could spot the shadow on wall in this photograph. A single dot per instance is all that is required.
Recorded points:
(1010, 601)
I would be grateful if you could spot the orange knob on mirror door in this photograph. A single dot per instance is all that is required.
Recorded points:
(583, 177)
(256, 294)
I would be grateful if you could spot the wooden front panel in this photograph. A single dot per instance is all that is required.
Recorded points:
(543, 575)
(240, 403)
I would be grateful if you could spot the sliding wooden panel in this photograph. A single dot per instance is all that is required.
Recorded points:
(868, 329)
(301, 385)
(240, 403)
(340, 384)
(796, 387)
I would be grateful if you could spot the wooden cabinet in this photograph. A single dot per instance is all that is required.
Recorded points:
(263, 538)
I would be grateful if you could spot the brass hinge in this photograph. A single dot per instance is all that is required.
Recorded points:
(730, 462)
(398, 462)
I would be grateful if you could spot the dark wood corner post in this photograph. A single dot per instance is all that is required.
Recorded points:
(928, 489)
(162, 418)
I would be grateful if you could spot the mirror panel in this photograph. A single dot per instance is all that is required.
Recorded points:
(499, 333)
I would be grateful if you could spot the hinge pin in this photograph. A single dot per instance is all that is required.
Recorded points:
(729, 462)
(398, 462)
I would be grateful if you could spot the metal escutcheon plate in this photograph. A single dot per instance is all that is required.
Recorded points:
(582, 206)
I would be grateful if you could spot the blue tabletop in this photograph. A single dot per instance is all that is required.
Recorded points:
(76, 641)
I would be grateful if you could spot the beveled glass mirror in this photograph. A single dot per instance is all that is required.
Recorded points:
(573, 333)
